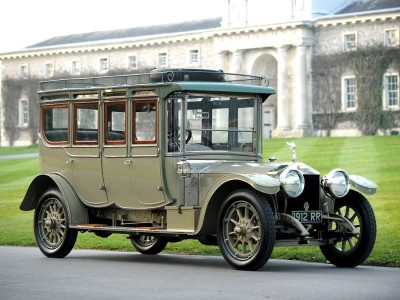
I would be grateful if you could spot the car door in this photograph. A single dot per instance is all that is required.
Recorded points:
(145, 166)
(116, 164)
(84, 155)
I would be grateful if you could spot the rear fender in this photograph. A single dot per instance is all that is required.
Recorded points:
(76, 210)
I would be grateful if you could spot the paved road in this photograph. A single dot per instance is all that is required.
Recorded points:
(86, 274)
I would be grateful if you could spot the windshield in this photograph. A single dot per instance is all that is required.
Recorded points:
(210, 123)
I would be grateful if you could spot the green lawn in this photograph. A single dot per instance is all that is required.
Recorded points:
(373, 157)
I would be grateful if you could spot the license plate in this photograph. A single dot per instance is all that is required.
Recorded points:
(310, 216)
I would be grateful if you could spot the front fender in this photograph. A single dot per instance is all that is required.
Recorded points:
(260, 182)
(363, 184)
(76, 210)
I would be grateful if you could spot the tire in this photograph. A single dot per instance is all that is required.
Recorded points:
(351, 251)
(51, 225)
(147, 244)
(246, 230)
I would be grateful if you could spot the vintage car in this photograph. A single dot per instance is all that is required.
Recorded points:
(177, 154)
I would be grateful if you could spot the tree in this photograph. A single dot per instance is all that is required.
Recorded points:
(327, 96)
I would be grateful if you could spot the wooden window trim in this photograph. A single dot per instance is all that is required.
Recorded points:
(76, 106)
(106, 141)
(48, 107)
(134, 140)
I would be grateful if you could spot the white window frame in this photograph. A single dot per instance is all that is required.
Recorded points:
(391, 41)
(387, 92)
(194, 57)
(104, 68)
(23, 113)
(131, 65)
(49, 72)
(76, 69)
(347, 46)
(162, 59)
(23, 71)
(346, 94)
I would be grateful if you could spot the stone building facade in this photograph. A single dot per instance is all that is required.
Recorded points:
(284, 52)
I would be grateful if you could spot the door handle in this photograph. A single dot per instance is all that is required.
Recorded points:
(128, 162)
(69, 161)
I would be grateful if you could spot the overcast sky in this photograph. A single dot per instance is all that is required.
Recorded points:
(26, 22)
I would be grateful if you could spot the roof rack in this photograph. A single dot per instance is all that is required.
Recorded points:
(154, 77)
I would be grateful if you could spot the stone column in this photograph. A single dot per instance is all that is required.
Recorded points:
(300, 95)
(220, 60)
(237, 60)
(282, 92)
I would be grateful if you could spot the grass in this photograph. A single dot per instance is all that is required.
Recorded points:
(373, 157)
(18, 150)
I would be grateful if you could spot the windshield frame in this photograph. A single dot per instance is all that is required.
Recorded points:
(245, 141)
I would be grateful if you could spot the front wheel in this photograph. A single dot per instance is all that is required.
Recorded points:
(147, 244)
(246, 230)
(51, 224)
(351, 250)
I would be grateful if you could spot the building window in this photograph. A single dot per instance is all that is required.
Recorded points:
(49, 70)
(194, 58)
(23, 114)
(76, 67)
(23, 71)
(132, 62)
(103, 67)
(162, 60)
(349, 91)
(392, 37)
(391, 91)
(349, 42)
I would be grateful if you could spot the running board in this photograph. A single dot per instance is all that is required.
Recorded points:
(128, 230)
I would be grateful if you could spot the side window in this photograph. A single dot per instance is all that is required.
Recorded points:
(55, 124)
(86, 124)
(144, 122)
(174, 120)
(115, 132)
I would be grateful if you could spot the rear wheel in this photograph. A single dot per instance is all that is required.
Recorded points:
(246, 230)
(51, 224)
(352, 249)
(148, 244)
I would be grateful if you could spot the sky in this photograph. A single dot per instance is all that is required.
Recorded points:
(26, 22)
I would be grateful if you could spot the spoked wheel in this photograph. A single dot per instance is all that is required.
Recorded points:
(53, 235)
(148, 244)
(355, 247)
(246, 230)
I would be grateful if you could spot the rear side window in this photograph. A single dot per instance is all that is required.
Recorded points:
(55, 124)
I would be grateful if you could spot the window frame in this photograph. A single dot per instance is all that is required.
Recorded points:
(106, 130)
(49, 72)
(129, 62)
(73, 68)
(23, 71)
(75, 122)
(192, 62)
(345, 94)
(165, 55)
(385, 37)
(43, 131)
(346, 43)
(134, 105)
(101, 60)
(386, 91)
(22, 112)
